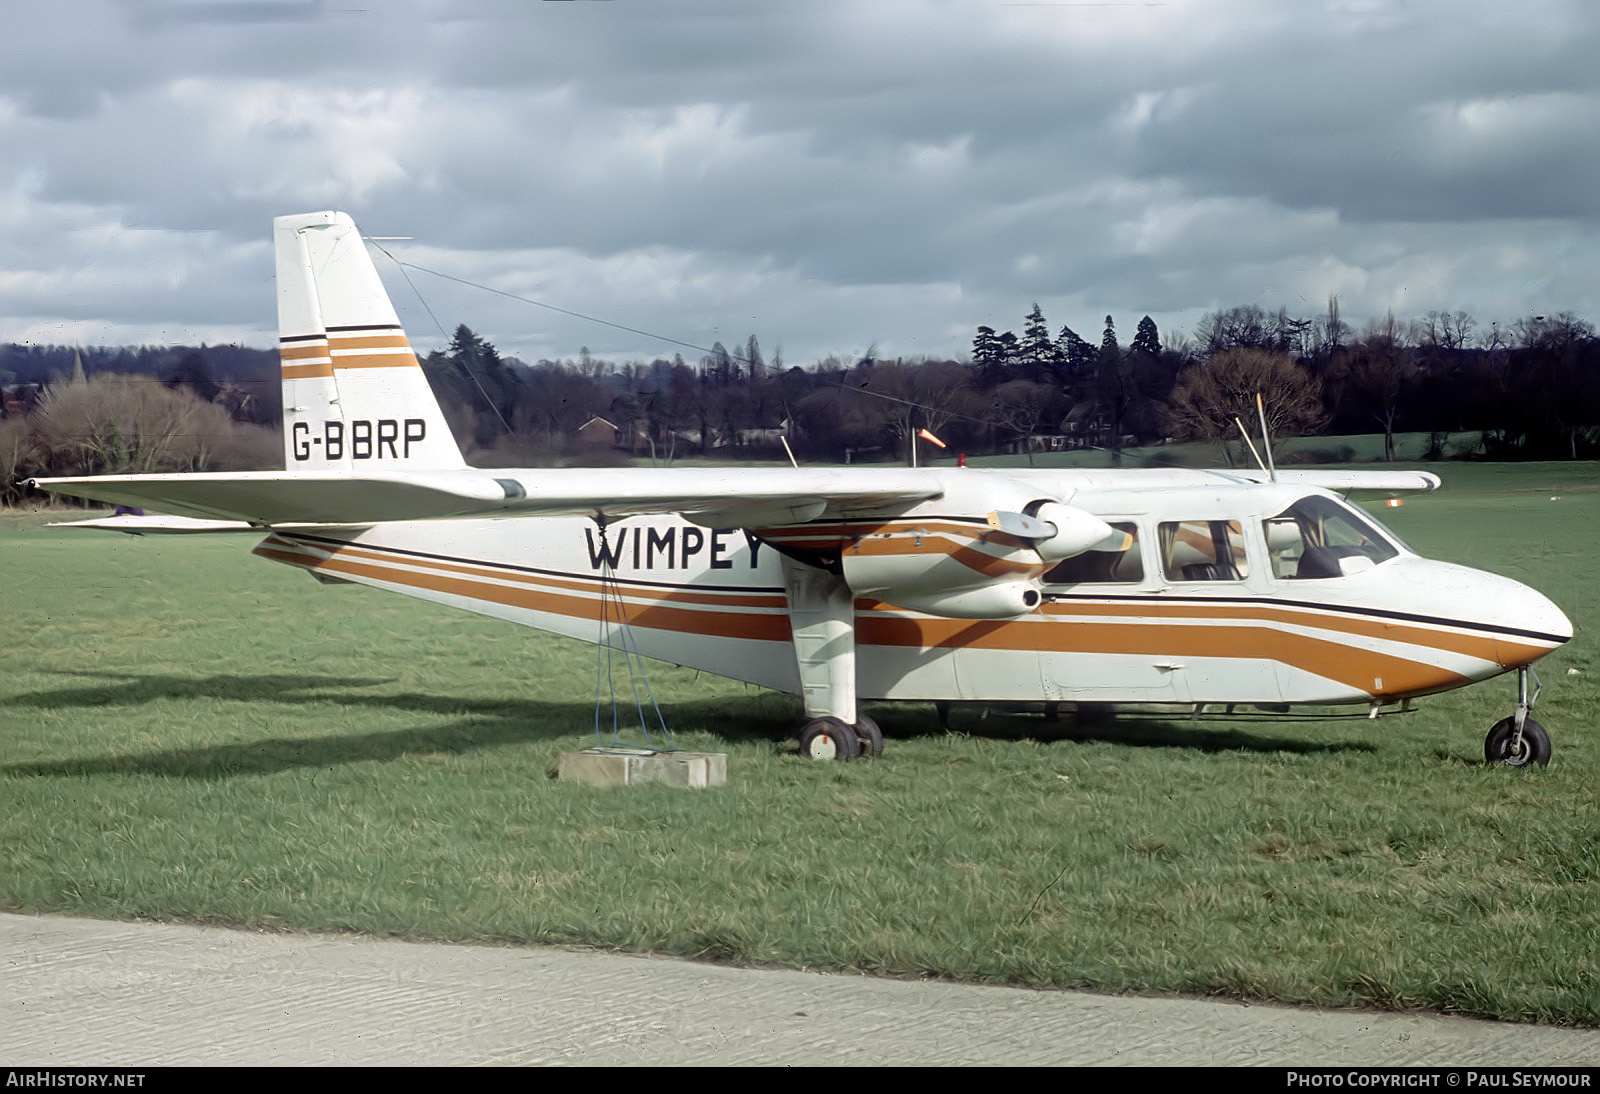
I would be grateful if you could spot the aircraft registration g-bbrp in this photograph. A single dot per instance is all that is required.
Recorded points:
(841, 584)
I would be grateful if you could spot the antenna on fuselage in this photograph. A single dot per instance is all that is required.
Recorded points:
(1245, 433)
(1266, 439)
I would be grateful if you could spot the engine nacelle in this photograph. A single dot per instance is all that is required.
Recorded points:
(1004, 601)
(918, 563)
(977, 551)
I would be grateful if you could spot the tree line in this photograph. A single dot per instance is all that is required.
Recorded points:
(1529, 389)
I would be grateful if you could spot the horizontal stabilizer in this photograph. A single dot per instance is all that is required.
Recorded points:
(157, 525)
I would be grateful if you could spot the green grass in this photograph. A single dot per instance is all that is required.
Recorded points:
(190, 733)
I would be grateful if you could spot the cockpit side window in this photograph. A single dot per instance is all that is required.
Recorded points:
(1312, 537)
(1203, 550)
(1122, 565)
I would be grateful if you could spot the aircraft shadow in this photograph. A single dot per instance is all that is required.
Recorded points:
(474, 723)
(1139, 730)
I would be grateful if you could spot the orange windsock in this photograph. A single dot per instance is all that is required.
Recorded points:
(925, 435)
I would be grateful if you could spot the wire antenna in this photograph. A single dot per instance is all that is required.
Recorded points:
(490, 403)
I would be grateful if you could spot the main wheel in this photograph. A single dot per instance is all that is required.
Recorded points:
(1535, 744)
(869, 735)
(829, 739)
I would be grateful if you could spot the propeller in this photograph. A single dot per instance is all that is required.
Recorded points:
(1060, 531)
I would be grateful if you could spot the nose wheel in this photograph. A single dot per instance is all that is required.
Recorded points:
(1519, 741)
(1507, 747)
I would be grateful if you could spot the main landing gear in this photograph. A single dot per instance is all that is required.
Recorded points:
(836, 739)
(1519, 741)
(822, 621)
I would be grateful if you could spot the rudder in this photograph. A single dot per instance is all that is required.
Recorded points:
(354, 395)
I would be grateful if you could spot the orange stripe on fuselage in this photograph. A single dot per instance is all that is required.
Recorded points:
(768, 626)
(681, 596)
(1469, 645)
(1349, 665)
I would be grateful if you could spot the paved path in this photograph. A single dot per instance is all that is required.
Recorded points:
(89, 993)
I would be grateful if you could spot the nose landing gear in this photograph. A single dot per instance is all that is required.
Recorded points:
(1519, 741)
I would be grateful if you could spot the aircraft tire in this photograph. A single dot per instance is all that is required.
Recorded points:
(1535, 749)
(829, 739)
(869, 735)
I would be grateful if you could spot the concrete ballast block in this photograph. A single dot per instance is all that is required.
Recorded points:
(638, 766)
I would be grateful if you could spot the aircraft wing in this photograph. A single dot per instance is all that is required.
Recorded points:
(1339, 480)
(748, 497)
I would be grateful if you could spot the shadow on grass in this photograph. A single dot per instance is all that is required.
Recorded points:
(487, 722)
(1139, 730)
(476, 723)
(279, 754)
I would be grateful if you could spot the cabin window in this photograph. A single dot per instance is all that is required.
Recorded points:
(1119, 563)
(1203, 550)
(1317, 537)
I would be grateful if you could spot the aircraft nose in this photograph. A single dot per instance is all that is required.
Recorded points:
(1525, 624)
(1535, 624)
(1544, 616)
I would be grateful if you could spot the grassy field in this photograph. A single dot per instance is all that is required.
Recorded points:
(190, 733)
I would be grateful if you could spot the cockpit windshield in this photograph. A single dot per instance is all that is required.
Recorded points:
(1316, 537)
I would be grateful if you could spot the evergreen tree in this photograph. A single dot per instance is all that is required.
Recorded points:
(1036, 347)
(1108, 341)
(1078, 355)
(489, 383)
(1007, 348)
(1147, 340)
(985, 347)
(753, 361)
(193, 372)
(1114, 389)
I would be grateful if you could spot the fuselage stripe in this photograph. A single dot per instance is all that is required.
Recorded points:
(1310, 605)
(587, 604)
(1231, 633)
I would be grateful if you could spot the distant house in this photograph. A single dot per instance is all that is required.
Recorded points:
(597, 434)
(11, 404)
(770, 436)
(1052, 442)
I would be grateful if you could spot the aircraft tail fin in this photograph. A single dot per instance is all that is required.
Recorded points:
(354, 396)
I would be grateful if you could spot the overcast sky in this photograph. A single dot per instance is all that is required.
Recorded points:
(827, 176)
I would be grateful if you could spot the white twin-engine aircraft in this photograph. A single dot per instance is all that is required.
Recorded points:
(841, 584)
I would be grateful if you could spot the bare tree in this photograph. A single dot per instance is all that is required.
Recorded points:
(115, 424)
(1444, 330)
(1211, 393)
(18, 454)
(925, 395)
(1232, 328)
(1375, 370)
(1017, 407)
